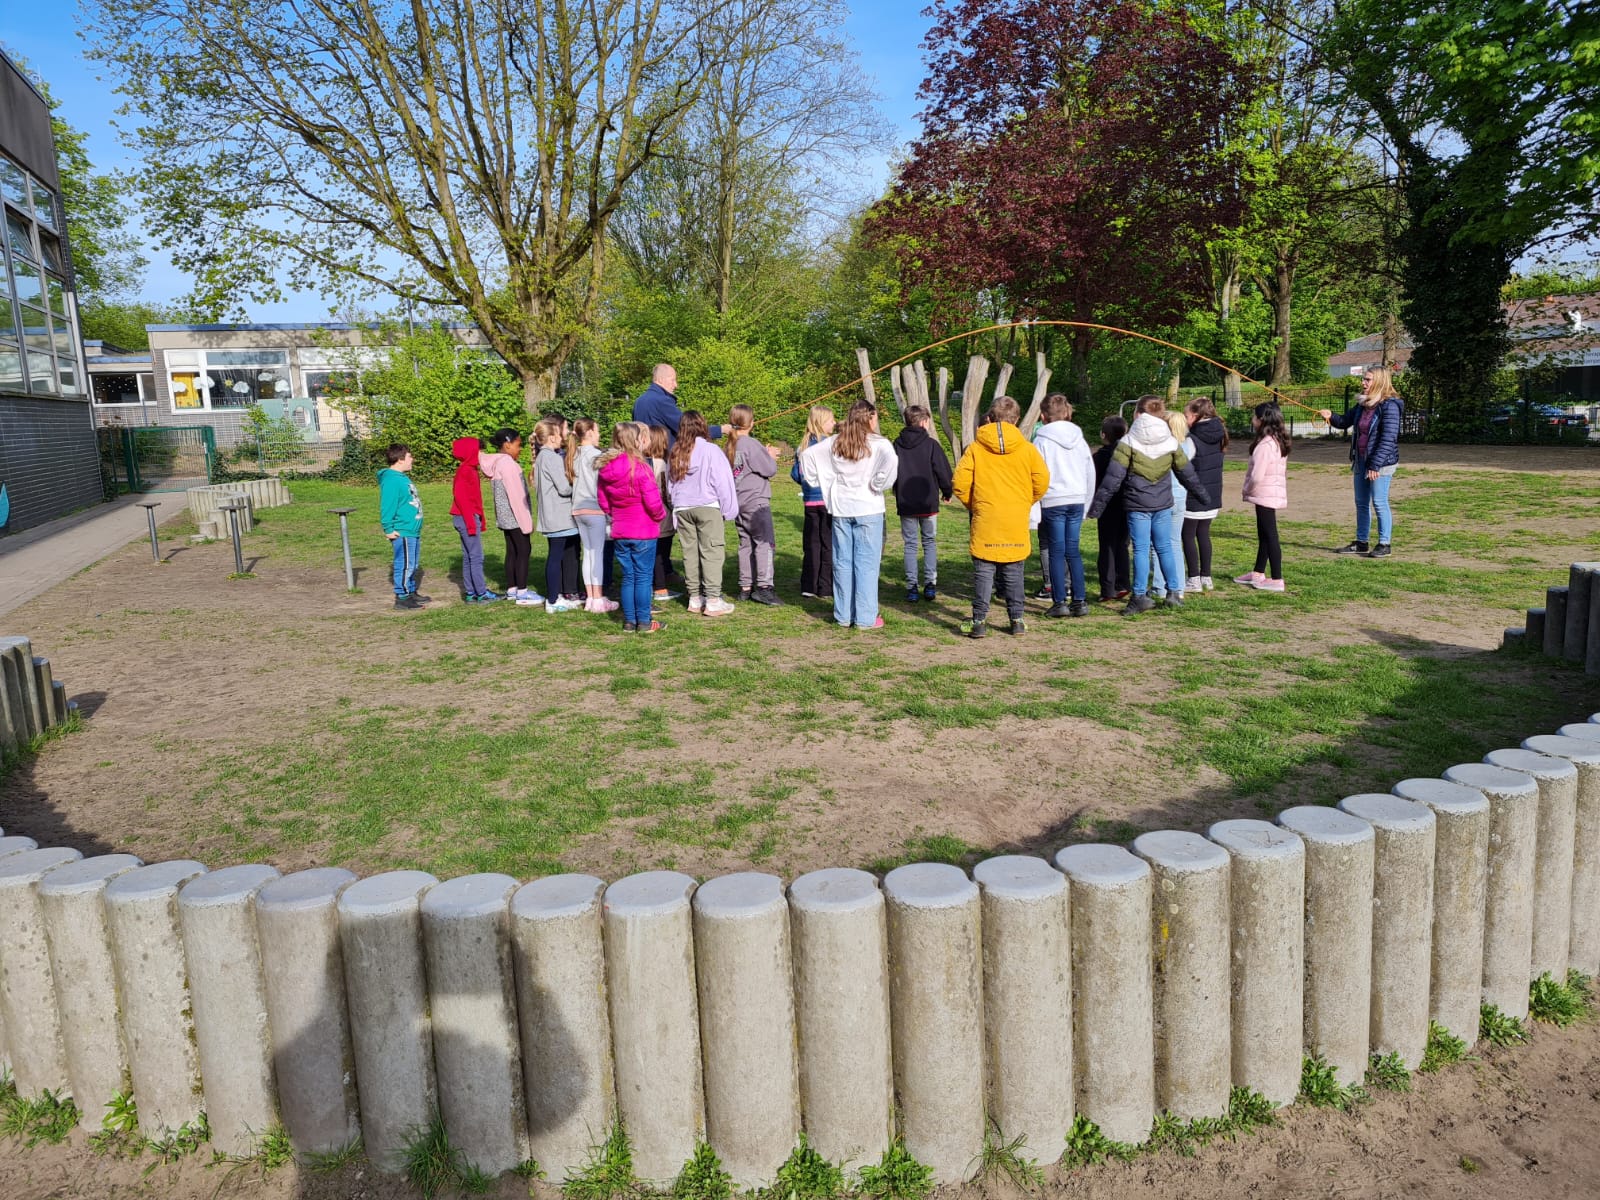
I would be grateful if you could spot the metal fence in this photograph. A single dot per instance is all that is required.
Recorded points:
(164, 458)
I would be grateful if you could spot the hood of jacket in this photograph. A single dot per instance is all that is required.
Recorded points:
(1062, 433)
(911, 437)
(1209, 433)
(622, 467)
(466, 451)
(1151, 436)
(1001, 437)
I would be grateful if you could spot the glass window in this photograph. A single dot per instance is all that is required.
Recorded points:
(44, 205)
(63, 338)
(41, 372)
(68, 370)
(29, 287)
(188, 389)
(115, 389)
(10, 367)
(8, 320)
(240, 387)
(35, 328)
(17, 235)
(325, 385)
(58, 296)
(51, 249)
(183, 358)
(247, 358)
(13, 184)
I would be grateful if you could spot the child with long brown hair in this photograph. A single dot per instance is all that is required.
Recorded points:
(657, 445)
(1210, 438)
(753, 465)
(700, 482)
(852, 470)
(816, 556)
(627, 492)
(1266, 485)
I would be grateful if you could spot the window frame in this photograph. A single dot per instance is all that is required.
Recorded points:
(195, 361)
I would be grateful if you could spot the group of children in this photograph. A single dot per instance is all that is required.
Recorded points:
(1156, 484)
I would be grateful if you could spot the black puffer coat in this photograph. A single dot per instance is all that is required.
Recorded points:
(1209, 437)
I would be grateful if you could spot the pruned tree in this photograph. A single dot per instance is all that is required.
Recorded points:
(464, 154)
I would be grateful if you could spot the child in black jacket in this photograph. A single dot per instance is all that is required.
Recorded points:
(1112, 525)
(924, 478)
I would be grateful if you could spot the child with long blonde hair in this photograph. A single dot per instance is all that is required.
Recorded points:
(753, 465)
(816, 560)
(554, 488)
(627, 492)
(657, 445)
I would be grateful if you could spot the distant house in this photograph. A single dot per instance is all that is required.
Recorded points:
(1561, 330)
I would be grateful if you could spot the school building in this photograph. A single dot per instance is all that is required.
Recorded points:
(48, 462)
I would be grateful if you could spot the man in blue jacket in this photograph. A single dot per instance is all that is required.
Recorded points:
(658, 403)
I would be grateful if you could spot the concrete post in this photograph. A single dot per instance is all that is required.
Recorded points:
(655, 1019)
(10, 721)
(152, 984)
(1027, 999)
(1581, 729)
(466, 938)
(1552, 862)
(841, 988)
(80, 950)
(44, 690)
(1338, 936)
(1583, 953)
(558, 949)
(1513, 639)
(230, 1004)
(1591, 656)
(16, 664)
(936, 1000)
(1189, 932)
(1575, 638)
(1460, 885)
(1555, 621)
(1113, 1003)
(298, 926)
(386, 991)
(27, 985)
(1402, 921)
(1535, 629)
(16, 844)
(1267, 907)
(1508, 891)
(747, 1030)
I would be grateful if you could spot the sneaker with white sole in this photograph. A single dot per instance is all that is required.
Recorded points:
(718, 607)
(528, 598)
(559, 605)
(1249, 578)
(1205, 582)
(1193, 584)
(1268, 585)
(697, 604)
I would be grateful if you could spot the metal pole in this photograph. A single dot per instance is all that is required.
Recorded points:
(344, 536)
(233, 529)
(150, 512)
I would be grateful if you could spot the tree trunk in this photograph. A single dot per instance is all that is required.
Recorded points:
(1082, 343)
(1227, 298)
(1282, 296)
(1174, 383)
(538, 389)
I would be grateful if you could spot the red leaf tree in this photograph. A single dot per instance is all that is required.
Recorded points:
(1069, 160)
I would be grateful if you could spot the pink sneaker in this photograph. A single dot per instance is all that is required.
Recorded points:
(1267, 585)
(877, 624)
(1249, 578)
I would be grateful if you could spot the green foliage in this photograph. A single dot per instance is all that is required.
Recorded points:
(180, 1143)
(1086, 1145)
(703, 1177)
(1320, 1086)
(806, 1175)
(1385, 1072)
(432, 390)
(327, 1162)
(896, 1176)
(119, 1128)
(1247, 1111)
(431, 1162)
(528, 1169)
(269, 440)
(1004, 1158)
(274, 1150)
(1443, 1049)
(1559, 1002)
(33, 1119)
(122, 323)
(609, 1171)
(1499, 1029)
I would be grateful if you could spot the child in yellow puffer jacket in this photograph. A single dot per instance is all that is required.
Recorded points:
(999, 478)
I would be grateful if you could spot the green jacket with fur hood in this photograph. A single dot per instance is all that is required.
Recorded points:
(1140, 466)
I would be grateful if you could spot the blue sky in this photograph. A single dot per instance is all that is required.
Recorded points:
(887, 34)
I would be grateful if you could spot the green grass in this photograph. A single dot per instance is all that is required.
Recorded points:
(608, 1173)
(1320, 1087)
(807, 1175)
(1559, 1002)
(1006, 1158)
(703, 1177)
(30, 1120)
(1386, 1073)
(896, 1176)
(1087, 1146)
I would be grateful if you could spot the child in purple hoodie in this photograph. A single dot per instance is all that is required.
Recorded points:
(700, 482)
(627, 492)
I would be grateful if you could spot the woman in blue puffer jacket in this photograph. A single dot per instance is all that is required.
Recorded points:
(1374, 454)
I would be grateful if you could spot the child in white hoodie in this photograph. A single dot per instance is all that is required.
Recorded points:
(1067, 455)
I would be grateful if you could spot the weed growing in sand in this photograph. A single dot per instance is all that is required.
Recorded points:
(1498, 1029)
(1247, 1111)
(896, 1176)
(609, 1171)
(274, 1150)
(1086, 1145)
(703, 1177)
(180, 1143)
(431, 1162)
(31, 1120)
(1444, 1048)
(1002, 1157)
(119, 1128)
(528, 1169)
(1385, 1072)
(1320, 1086)
(806, 1175)
(327, 1162)
(1559, 1003)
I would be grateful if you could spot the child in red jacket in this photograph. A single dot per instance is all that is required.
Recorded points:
(466, 514)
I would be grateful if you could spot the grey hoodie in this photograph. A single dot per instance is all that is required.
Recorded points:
(586, 480)
(555, 492)
(1071, 464)
(753, 469)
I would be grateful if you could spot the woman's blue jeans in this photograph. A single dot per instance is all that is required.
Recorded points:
(1372, 494)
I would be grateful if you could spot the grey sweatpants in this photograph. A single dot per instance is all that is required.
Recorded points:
(925, 530)
(984, 575)
(757, 544)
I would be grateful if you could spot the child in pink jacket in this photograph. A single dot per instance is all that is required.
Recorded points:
(1266, 485)
(628, 494)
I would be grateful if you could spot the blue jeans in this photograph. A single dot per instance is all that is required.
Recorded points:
(1059, 527)
(857, 556)
(1158, 574)
(1372, 495)
(1146, 528)
(407, 558)
(637, 559)
(472, 581)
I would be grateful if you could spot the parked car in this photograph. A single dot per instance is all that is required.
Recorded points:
(1539, 414)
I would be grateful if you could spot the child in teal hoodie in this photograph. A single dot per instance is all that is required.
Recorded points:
(400, 511)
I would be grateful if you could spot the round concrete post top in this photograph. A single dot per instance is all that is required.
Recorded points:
(227, 886)
(304, 889)
(1540, 766)
(1574, 750)
(392, 891)
(1325, 826)
(1389, 813)
(742, 894)
(87, 874)
(1251, 839)
(1019, 877)
(1581, 729)
(835, 889)
(650, 894)
(15, 844)
(1488, 778)
(466, 896)
(157, 879)
(558, 896)
(30, 866)
(928, 885)
(1443, 795)
(1100, 865)
(1179, 853)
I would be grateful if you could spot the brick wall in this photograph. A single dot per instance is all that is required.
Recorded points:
(48, 460)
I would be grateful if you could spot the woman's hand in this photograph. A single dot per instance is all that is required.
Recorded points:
(1372, 477)
(1325, 413)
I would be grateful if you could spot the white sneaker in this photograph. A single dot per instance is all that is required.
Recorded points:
(1193, 584)
(718, 608)
(1205, 582)
(528, 598)
(558, 605)
(696, 603)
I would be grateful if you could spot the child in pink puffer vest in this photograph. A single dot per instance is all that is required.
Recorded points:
(1266, 485)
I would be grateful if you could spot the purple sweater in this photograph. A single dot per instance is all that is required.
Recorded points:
(707, 484)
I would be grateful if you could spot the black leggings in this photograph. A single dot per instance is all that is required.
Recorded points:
(519, 549)
(1267, 548)
(663, 558)
(561, 567)
(1197, 547)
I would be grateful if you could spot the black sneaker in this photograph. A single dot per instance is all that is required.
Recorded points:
(1043, 593)
(630, 627)
(1078, 609)
(1018, 627)
(1137, 605)
(765, 596)
(1059, 610)
(407, 602)
(1174, 601)
(912, 594)
(975, 629)
(745, 593)
(930, 591)
(420, 598)
(1381, 550)
(1353, 548)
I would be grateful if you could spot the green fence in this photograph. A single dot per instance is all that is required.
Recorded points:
(156, 458)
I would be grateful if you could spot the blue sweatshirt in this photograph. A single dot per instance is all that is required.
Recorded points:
(657, 406)
(399, 507)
